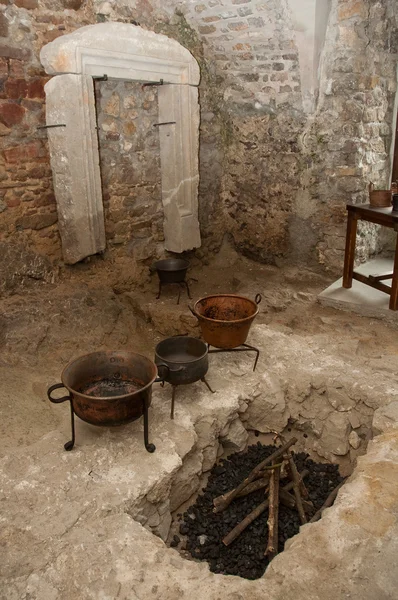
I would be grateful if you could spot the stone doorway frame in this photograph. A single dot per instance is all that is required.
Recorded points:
(120, 51)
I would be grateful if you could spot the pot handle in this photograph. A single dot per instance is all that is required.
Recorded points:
(57, 386)
(161, 379)
(195, 314)
(258, 298)
(178, 370)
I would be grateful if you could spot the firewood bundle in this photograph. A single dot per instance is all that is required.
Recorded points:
(267, 474)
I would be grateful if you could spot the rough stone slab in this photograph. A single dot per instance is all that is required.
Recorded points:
(186, 481)
(179, 156)
(334, 435)
(267, 411)
(235, 437)
(75, 166)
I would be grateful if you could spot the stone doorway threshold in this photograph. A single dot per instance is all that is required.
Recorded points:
(362, 299)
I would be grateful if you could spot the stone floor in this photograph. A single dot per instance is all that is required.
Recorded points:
(82, 524)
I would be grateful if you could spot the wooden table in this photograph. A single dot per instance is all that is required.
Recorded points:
(381, 216)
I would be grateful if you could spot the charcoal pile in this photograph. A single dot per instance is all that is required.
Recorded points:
(253, 502)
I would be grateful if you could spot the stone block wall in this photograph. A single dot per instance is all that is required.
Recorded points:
(27, 203)
(130, 167)
(28, 215)
(288, 174)
(253, 44)
(272, 174)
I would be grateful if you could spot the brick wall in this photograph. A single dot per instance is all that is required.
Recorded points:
(27, 204)
(28, 216)
(252, 45)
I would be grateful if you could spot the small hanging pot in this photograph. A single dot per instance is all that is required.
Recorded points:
(379, 198)
(171, 270)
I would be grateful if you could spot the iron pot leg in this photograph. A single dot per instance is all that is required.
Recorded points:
(188, 292)
(256, 350)
(173, 395)
(159, 290)
(69, 445)
(207, 384)
(148, 446)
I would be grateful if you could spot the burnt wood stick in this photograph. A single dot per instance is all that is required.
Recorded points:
(328, 502)
(272, 543)
(252, 475)
(296, 489)
(290, 459)
(284, 497)
(252, 487)
(297, 477)
(288, 500)
(236, 531)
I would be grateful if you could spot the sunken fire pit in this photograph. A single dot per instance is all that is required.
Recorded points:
(208, 533)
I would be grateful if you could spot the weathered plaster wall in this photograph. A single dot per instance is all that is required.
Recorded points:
(281, 152)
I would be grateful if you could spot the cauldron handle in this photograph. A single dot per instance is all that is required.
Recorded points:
(69, 445)
(161, 379)
(258, 298)
(57, 386)
(177, 370)
(193, 311)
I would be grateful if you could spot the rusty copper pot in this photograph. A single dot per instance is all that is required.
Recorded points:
(225, 319)
(108, 388)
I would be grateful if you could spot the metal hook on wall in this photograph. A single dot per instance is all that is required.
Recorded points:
(152, 83)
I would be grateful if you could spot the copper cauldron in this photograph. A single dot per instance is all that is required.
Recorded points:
(225, 319)
(108, 388)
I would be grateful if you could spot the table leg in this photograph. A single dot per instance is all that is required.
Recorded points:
(349, 255)
(394, 285)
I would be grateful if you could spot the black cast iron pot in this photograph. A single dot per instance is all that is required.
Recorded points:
(186, 358)
(171, 270)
